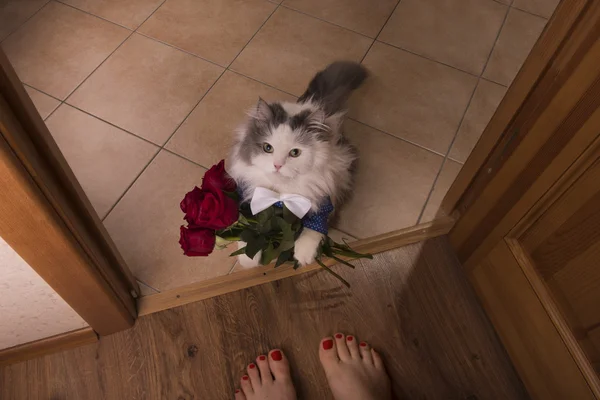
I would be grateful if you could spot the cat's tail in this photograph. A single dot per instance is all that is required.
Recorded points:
(331, 87)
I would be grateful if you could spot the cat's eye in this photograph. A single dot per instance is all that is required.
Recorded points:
(295, 152)
(267, 148)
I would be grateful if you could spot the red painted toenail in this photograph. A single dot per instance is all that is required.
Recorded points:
(262, 358)
(251, 366)
(276, 355)
(245, 377)
(338, 335)
(327, 344)
(237, 390)
(363, 344)
(349, 338)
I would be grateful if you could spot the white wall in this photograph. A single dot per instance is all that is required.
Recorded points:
(29, 308)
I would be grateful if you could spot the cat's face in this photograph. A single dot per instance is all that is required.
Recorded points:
(285, 143)
(280, 152)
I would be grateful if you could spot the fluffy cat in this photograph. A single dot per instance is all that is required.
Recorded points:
(300, 148)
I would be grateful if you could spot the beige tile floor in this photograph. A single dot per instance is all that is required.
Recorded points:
(143, 95)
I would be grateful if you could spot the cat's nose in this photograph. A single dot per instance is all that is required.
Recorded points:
(277, 166)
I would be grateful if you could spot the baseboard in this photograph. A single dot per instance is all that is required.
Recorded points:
(52, 344)
(256, 276)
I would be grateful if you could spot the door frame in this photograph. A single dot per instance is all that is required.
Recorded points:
(47, 219)
(565, 42)
(541, 138)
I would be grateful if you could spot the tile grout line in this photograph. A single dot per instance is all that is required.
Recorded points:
(487, 61)
(520, 9)
(329, 22)
(41, 91)
(180, 49)
(396, 137)
(494, 82)
(428, 59)
(464, 114)
(24, 22)
(130, 185)
(93, 15)
(380, 30)
(225, 69)
(447, 152)
(132, 32)
(531, 13)
(253, 36)
(161, 148)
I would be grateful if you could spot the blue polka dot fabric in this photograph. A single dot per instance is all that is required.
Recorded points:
(317, 221)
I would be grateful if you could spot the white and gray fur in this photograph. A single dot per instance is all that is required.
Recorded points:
(312, 125)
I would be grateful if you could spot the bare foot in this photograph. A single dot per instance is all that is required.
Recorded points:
(268, 379)
(354, 371)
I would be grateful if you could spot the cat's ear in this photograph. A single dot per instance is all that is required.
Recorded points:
(326, 126)
(334, 122)
(262, 112)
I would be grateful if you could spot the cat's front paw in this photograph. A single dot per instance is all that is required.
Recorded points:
(306, 246)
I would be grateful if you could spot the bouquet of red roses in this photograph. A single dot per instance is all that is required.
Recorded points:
(216, 218)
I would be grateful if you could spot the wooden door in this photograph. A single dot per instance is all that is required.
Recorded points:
(47, 219)
(528, 231)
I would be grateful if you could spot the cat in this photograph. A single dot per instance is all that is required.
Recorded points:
(300, 148)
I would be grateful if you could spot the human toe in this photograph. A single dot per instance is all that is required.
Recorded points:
(239, 395)
(254, 376)
(278, 364)
(264, 369)
(365, 352)
(246, 385)
(352, 345)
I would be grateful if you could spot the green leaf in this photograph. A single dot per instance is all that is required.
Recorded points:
(255, 245)
(326, 249)
(286, 229)
(352, 254)
(232, 195)
(326, 268)
(268, 254)
(266, 226)
(286, 245)
(242, 219)
(265, 215)
(284, 257)
(342, 261)
(246, 211)
(238, 252)
(247, 235)
(289, 216)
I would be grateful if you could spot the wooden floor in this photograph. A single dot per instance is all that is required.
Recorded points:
(413, 304)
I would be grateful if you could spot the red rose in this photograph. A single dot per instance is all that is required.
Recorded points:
(209, 208)
(197, 242)
(217, 178)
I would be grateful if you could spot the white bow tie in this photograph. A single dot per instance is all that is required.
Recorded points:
(264, 198)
